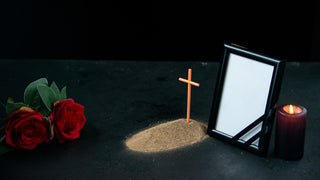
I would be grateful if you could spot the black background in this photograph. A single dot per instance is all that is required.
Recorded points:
(157, 30)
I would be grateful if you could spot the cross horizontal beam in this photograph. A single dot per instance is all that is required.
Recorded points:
(189, 82)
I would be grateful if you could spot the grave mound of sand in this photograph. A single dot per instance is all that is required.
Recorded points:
(167, 136)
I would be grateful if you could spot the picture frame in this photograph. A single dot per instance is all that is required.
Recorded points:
(245, 99)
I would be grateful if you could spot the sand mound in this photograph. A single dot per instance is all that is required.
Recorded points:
(166, 136)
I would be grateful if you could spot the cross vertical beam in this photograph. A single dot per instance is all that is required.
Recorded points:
(189, 96)
(189, 91)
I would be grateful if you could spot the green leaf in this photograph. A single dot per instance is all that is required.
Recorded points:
(51, 134)
(4, 148)
(38, 106)
(31, 89)
(63, 94)
(36, 101)
(10, 100)
(55, 90)
(47, 96)
(44, 111)
(12, 107)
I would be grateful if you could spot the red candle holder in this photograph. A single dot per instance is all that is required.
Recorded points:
(290, 131)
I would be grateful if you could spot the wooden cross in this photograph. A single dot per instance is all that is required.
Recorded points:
(189, 92)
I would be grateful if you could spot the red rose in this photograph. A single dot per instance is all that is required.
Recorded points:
(25, 129)
(67, 119)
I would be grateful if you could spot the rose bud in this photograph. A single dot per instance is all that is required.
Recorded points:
(26, 129)
(67, 119)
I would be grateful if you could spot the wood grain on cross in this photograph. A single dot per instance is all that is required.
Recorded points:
(189, 92)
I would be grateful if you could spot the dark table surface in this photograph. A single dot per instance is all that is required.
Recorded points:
(124, 97)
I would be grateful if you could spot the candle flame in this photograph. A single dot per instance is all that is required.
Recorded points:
(291, 109)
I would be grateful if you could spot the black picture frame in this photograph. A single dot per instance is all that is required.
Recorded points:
(245, 99)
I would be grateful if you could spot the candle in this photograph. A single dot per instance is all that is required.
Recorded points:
(290, 131)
